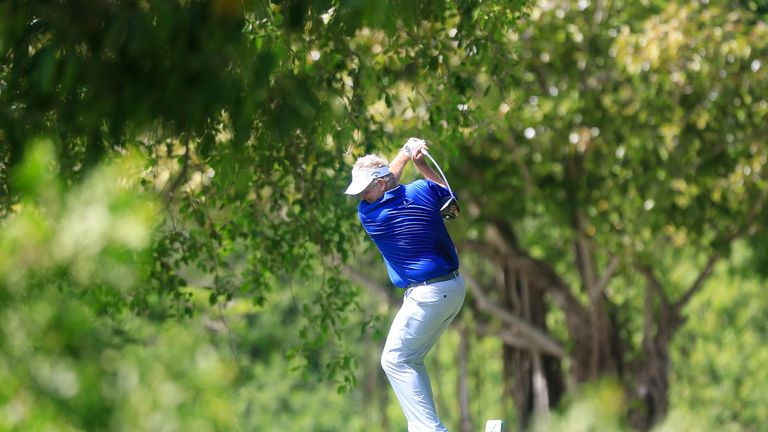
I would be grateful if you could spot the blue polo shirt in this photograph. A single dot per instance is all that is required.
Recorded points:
(407, 227)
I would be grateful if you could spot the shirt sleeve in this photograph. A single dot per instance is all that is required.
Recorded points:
(439, 191)
(430, 193)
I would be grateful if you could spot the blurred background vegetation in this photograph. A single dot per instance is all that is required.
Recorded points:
(176, 252)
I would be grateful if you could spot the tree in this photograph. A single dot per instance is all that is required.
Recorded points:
(239, 110)
(662, 128)
(721, 349)
(615, 139)
(252, 93)
(593, 150)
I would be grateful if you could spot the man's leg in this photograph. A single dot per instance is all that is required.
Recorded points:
(426, 313)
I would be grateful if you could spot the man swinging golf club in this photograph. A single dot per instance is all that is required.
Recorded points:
(406, 224)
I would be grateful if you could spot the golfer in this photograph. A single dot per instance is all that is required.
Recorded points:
(405, 224)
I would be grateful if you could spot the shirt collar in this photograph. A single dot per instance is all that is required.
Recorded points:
(393, 193)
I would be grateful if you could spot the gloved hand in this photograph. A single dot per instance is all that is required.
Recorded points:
(413, 148)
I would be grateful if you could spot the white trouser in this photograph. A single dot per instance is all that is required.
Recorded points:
(426, 312)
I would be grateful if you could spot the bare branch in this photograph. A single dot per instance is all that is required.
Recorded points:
(540, 272)
(710, 265)
(502, 237)
(181, 177)
(539, 340)
(654, 284)
(481, 248)
(513, 339)
(607, 275)
(386, 293)
(540, 390)
(507, 336)
(698, 283)
(648, 315)
(585, 262)
(759, 203)
(525, 173)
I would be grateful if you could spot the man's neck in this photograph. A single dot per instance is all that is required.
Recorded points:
(391, 185)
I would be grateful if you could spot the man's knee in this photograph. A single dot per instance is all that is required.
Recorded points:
(388, 362)
(392, 362)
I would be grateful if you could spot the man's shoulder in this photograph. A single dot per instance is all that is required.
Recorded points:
(423, 186)
(363, 208)
(418, 184)
(421, 190)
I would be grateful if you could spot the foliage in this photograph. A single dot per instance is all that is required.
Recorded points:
(206, 144)
(69, 360)
(720, 355)
(73, 358)
(59, 237)
(239, 107)
(600, 407)
(606, 141)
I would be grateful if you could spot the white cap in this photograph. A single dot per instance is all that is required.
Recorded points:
(361, 179)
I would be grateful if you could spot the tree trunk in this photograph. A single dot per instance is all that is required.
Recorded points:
(463, 381)
(520, 285)
(651, 393)
(383, 391)
(508, 374)
(538, 378)
(597, 349)
(522, 394)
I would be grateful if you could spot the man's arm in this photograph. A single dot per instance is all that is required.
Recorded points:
(398, 163)
(420, 161)
(411, 148)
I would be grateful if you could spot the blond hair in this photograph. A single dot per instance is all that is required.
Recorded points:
(369, 162)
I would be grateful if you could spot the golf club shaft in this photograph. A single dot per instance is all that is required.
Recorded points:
(424, 150)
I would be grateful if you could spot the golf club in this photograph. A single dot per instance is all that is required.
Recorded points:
(449, 209)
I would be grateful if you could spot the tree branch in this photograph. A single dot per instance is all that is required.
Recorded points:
(698, 283)
(607, 275)
(654, 284)
(538, 339)
(507, 336)
(181, 177)
(492, 254)
(386, 293)
(540, 272)
(585, 262)
(759, 203)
